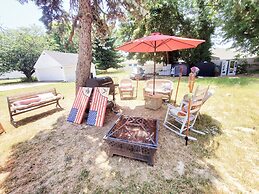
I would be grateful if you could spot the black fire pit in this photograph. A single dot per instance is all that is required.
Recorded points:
(133, 137)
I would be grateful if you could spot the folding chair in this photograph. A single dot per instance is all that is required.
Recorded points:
(126, 87)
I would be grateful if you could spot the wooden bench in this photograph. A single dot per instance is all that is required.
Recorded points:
(22, 103)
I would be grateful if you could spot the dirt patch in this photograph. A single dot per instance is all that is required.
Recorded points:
(74, 158)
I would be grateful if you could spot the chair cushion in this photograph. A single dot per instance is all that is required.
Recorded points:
(26, 101)
(125, 85)
(126, 89)
(42, 100)
(180, 113)
(46, 96)
(159, 90)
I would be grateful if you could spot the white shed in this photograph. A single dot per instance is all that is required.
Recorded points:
(57, 66)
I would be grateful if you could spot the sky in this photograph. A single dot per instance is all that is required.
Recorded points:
(15, 15)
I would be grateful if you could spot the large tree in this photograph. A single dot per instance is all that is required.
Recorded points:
(90, 14)
(104, 54)
(240, 23)
(20, 49)
(60, 34)
(192, 18)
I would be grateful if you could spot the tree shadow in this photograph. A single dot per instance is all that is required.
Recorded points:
(36, 117)
(206, 145)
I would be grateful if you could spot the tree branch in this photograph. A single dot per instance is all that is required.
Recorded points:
(70, 39)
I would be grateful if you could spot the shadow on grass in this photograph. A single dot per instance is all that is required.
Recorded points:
(36, 117)
(206, 146)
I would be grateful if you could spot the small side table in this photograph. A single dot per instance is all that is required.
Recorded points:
(153, 102)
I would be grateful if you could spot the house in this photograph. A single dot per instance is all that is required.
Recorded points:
(149, 67)
(57, 66)
(227, 60)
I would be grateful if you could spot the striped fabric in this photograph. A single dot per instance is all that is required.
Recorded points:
(78, 109)
(98, 106)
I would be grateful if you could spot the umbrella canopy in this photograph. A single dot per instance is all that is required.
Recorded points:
(157, 42)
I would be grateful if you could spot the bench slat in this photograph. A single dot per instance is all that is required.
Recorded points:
(14, 98)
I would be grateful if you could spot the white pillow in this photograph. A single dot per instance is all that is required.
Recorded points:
(46, 96)
(166, 86)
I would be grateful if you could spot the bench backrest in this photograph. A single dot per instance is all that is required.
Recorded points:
(24, 96)
(160, 83)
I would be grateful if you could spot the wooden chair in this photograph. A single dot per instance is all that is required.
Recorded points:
(126, 88)
(179, 115)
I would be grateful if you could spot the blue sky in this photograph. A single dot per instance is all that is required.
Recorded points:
(14, 15)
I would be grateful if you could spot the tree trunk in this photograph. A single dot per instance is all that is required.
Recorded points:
(85, 44)
(28, 75)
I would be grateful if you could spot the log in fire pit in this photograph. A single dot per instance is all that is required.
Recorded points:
(133, 137)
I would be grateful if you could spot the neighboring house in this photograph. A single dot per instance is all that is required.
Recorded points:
(149, 67)
(12, 75)
(57, 66)
(226, 60)
(128, 65)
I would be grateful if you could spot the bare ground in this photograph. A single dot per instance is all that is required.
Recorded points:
(73, 158)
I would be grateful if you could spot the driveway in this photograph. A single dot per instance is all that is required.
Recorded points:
(22, 85)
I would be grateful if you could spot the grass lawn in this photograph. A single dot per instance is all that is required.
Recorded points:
(9, 81)
(45, 154)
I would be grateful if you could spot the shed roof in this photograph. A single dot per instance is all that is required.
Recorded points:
(64, 59)
(228, 53)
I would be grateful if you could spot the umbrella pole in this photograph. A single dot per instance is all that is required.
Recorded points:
(190, 85)
(137, 88)
(179, 80)
(154, 73)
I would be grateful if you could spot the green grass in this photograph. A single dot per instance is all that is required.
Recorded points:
(222, 81)
(228, 81)
(229, 149)
(10, 81)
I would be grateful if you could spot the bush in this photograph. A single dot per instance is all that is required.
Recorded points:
(242, 68)
(25, 79)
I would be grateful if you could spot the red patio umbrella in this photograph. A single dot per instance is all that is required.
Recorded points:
(157, 42)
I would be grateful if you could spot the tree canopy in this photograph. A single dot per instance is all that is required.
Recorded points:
(240, 23)
(20, 49)
(60, 34)
(104, 54)
(193, 19)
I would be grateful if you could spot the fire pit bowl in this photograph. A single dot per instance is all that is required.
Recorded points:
(133, 137)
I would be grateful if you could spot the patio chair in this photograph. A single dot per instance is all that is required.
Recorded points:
(176, 117)
(126, 88)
